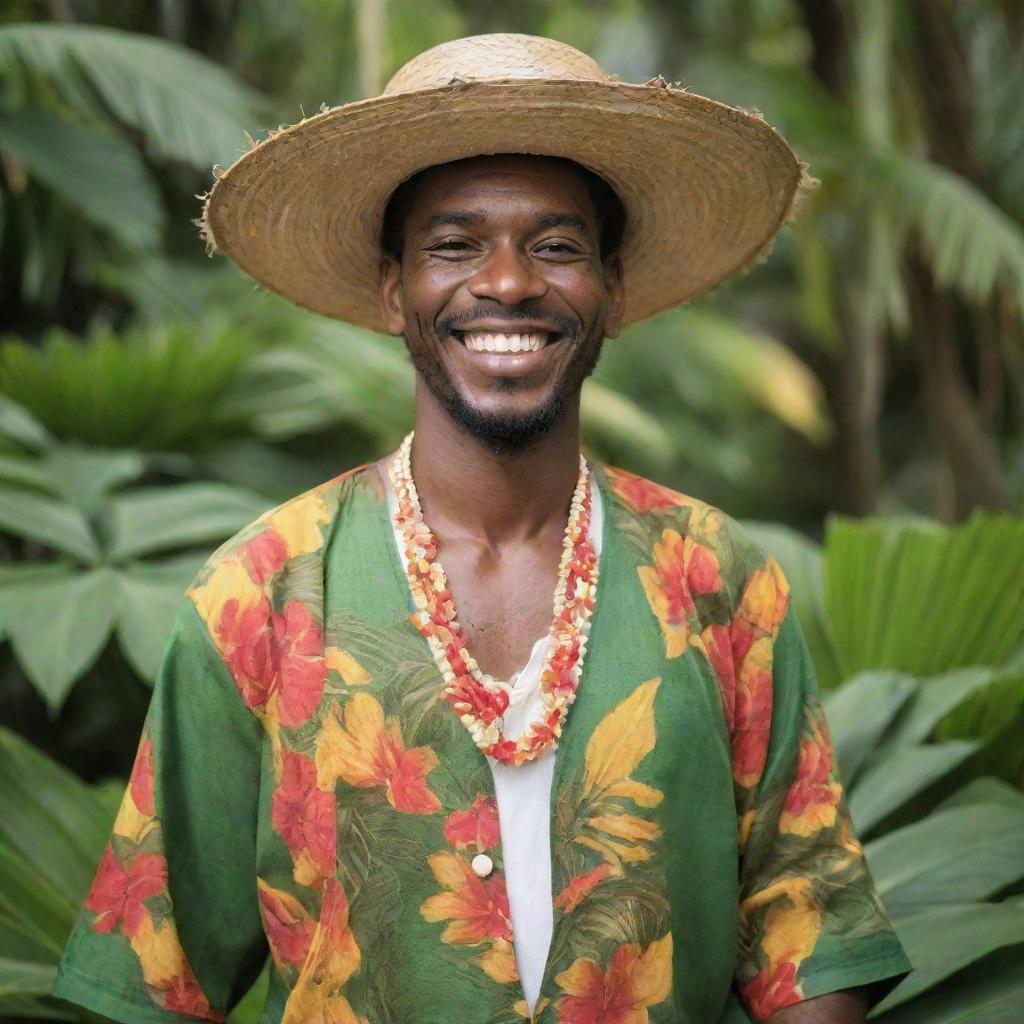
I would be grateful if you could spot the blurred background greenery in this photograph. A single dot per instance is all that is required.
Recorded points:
(858, 399)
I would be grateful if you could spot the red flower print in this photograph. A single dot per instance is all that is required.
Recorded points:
(718, 648)
(477, 827)
(141, 783)
(753, 722)
(183, 995)
(772, 989)
(304, 815)
(635, 979)
(289, 928)
(682, 570)
(264, 555)
(643, 495)
(812, 799)
(119, 892)
(368, 751)
(475, 908)
(271, 653)
(581, 886)
(299, 658)
(752, 633)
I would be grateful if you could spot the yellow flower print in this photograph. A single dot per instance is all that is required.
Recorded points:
(298, 523)
(351, 672)
(623, 738)
(635, 979)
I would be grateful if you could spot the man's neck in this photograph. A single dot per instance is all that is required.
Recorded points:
(501, 497)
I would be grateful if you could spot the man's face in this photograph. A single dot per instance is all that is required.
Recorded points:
(502, 296)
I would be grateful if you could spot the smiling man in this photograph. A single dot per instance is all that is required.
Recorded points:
(577, 774)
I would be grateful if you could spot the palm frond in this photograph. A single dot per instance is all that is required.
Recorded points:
(970, 244)
(185, 106)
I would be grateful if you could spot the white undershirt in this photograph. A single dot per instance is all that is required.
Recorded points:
(523, 793)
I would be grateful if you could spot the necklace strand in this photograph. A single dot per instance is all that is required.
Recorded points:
(478, 699)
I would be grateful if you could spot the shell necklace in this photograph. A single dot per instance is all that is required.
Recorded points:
(478, 699)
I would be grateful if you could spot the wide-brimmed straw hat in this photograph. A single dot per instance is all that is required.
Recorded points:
(705, 186)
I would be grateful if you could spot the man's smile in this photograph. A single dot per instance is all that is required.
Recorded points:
(507, 350)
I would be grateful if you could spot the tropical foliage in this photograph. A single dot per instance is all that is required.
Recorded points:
(152, 401)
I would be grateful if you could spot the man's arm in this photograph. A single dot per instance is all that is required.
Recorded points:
(850, 1006)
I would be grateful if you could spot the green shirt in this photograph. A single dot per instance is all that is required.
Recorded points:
(302, 785)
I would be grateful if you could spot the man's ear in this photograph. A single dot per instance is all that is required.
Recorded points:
(616, 295)
(390, 294)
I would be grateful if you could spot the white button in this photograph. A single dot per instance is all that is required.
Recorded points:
(482, 865)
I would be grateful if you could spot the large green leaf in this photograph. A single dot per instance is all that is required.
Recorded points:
(58, 621)
(50, 818)
(952, 856)
(48, 521)
(87, 475)
(187, 107)
(93, 171)
(17, 427)
(990, 996)
(934, 698)
(986, 791)
(859, 712)
(160, 519)
(149, 596)
(890, 782)
(942, 940)
(922, 598)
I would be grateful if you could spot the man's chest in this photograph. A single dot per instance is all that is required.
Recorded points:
(504, 600)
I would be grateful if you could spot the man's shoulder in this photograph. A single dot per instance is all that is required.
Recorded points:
(289, 531)
(666, 518)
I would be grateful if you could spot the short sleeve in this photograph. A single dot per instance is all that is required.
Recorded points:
(811, 920)
(170, 930)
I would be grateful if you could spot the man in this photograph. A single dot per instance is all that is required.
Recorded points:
(440, 793)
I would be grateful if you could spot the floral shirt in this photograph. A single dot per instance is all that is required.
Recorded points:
(301, 787)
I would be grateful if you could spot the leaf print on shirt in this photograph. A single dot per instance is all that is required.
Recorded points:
(621, 740)
(367, 750)
(334, 956)
(682, 570)
(788, 935)
(635, 979)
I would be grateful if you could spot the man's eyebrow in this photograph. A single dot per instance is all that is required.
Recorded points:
(563, 220)
(460, 218)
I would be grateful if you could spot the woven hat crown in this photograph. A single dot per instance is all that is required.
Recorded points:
(495, 57)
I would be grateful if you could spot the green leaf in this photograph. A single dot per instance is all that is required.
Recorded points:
(858, 713)
(51, 819)
(88, 475)
(24, 978)
(942, 940)
(95, 172)
(951, 856)
(891, 781)
(172, 517)
(922, 598)
(18, 426)
(187, 107)
(25, 472)
(58, 623)
(149, 597)
(995, 997)
(47, 521)
(986, 791)
(933, 699)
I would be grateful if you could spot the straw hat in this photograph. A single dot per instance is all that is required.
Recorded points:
(705, 186)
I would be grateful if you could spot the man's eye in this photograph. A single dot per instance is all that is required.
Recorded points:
(558, 248)
(451, 243)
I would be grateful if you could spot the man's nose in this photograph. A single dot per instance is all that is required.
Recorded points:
(508, 276)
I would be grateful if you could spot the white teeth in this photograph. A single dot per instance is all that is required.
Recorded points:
(486, 341)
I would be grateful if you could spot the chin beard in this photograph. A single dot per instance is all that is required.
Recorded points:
(506, 434)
